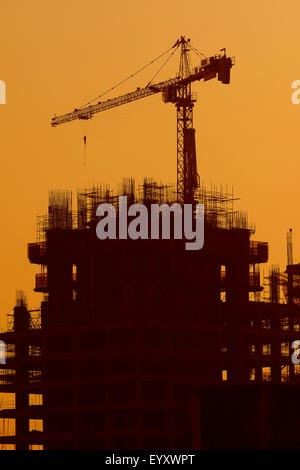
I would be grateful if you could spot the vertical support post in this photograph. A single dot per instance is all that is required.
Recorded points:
(185, 170)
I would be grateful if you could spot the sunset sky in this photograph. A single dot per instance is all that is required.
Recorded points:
(57, 55)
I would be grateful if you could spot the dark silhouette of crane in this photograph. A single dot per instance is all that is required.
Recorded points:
(178, 91)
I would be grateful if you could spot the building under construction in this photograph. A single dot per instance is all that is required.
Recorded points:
(139, 344)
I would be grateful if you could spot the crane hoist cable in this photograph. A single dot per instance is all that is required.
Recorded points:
(84, 150)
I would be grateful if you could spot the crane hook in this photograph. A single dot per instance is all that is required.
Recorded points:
(84, 143)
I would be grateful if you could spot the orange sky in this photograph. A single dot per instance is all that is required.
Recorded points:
(56, 55)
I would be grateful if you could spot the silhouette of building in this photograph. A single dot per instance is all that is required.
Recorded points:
(135, 339)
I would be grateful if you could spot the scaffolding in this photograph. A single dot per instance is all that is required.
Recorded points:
(59, 216)
(218, 206)
(89, 199)
(152, 192)
(60, 210)
(21, 299)
(34, 320)
(278, 285)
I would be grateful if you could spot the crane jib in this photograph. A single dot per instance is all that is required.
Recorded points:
(209, 68)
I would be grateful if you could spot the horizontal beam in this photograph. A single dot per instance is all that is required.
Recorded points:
(217, 65)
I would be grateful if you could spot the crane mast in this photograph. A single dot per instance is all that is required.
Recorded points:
(177, 91)
(187, 176)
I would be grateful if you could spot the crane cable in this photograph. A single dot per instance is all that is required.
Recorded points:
(200, 54)
(84, 150)
(165, 62)
(130, 76)
(175, 47)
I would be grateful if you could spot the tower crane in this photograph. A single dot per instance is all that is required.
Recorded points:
(176, 90)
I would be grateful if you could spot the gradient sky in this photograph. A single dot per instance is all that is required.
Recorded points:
(56, 55)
